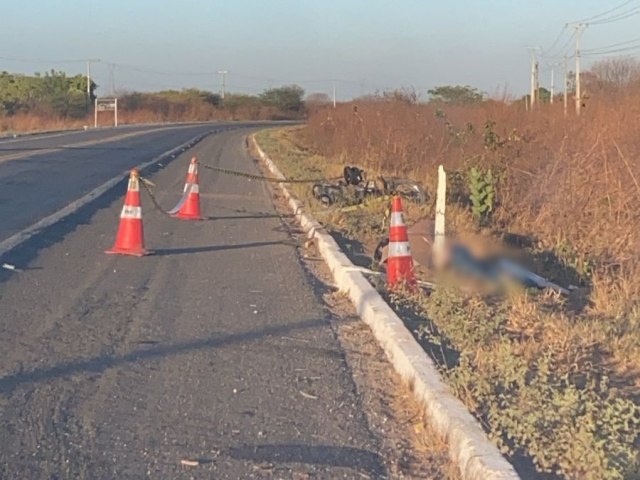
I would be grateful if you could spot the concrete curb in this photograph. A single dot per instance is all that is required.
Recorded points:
(24, 235)
(469, 447)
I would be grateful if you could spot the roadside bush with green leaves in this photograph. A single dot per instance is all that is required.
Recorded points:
(482, 193)
(548, 379)
(574, 424)
(572, 258)
(491, 139)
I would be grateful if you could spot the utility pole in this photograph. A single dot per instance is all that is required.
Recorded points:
(566, 85)
(537, 83)
(223, 74)
(112, 79)
(89, 62)
(533, 95)
(334, 94)
(552, 87)
(579, 29)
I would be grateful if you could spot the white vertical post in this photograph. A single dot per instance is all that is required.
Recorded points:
(533, 93)
(537, 85)
(334, 95)
(579, 29)
(439, 234)
(95, 113)
(566, 85)
(223, 75)
(115, 116)
(88, 81)
(553, 91)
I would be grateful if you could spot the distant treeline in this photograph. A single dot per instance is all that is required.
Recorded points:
(51, 94)
(56, 95)
(275, 103)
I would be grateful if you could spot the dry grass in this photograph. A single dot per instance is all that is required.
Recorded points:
(29, 123)
(539, 370)
(571, 183)
(24, 123)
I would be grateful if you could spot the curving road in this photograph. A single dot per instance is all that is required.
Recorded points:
(216, 349)
(41, 174)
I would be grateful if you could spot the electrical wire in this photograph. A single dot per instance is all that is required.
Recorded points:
(617, 18)
(42, 60)
(562, 51)
(627, 50)
(612, 46)
(161, 72)
(607, 12)
(555, 42)
(564, 47)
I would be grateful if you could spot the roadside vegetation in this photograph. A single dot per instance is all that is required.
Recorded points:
(56, 101)
(555, 380)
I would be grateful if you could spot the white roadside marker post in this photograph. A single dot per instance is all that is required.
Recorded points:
(439, 256)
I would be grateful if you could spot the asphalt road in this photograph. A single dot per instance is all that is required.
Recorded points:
(43, 173)
(216, 348)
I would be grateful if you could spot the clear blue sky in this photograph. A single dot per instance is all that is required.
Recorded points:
(363, 44)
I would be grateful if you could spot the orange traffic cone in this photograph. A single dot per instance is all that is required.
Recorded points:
(188, 208)
(130, 237)
(399, 261)
(192, 174)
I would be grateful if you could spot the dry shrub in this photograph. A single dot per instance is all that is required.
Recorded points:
(557, 379)
(572, 182)
(34, 123)
(551, 380)
(23, 123)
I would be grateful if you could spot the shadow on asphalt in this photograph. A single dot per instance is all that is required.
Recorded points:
(101, 363)
(247, 217)
(348, 457)
(214, 248)
(22, 255)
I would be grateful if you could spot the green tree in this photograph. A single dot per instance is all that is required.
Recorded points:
(455, 95)
(287, 99)
(544, 95)
(238, 103)
(403, 95)
(52, 93)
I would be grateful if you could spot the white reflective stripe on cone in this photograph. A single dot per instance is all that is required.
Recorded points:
(192, 168)
(195, 188)
(399, 249)
(177, 208)
(131, 212)
(396, 219)
(134, 185)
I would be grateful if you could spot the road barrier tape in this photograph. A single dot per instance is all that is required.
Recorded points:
(251, 176)
(147, 184)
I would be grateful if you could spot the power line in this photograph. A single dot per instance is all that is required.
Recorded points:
(620, 47)
(594, 17)
(614, 51)
(135, 68)
(43, 60)
(614, 45)
(123, 67)
(562, 50)
(616, 18)
(555, 42)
